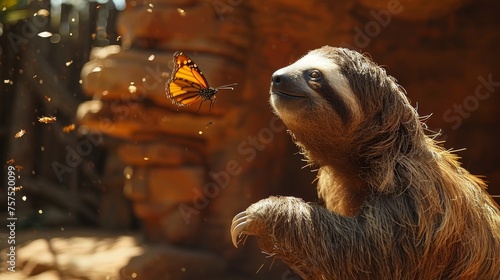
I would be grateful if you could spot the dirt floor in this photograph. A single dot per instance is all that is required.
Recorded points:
(86, 254)
(71, 254)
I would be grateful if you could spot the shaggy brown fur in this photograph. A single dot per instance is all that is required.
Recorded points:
(398, 206)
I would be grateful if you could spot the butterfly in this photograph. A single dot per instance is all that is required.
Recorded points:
(187, 85)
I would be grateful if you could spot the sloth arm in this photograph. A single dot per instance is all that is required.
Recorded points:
(304, 235)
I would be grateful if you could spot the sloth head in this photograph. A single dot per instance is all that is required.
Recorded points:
(343, 110)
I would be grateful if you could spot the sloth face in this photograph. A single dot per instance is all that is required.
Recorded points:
(313, 89)
(335, 101)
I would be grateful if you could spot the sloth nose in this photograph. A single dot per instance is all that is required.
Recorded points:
(286, 84)
(278, 77)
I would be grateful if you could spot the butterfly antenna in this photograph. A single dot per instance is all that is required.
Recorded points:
(229, 86)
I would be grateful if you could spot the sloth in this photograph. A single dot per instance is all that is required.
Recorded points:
(394, 204)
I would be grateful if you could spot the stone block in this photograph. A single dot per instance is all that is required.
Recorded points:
(157, 153)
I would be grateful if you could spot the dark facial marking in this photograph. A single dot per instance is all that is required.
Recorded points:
(333, 98)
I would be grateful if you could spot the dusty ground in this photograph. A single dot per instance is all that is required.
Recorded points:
(85, 254)
(71, 254)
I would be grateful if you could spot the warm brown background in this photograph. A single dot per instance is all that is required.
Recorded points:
(151, 156)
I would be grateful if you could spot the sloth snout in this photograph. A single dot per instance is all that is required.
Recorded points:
(280, 77)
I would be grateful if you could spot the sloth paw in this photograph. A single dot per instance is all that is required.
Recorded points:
(253, 221)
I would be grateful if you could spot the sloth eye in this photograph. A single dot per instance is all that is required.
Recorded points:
(315, 75)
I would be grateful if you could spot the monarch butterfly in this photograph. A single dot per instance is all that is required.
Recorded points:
(187, 84)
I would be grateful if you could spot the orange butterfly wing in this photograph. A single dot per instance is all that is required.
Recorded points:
(187, 81)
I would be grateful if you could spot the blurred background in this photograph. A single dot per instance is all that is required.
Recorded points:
(114, 182)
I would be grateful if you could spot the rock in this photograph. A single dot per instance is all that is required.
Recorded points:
(168, 184)
(158, 153)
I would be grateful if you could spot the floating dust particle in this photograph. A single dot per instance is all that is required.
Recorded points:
(128, 171)
(200, 132)
(42, 12)
(11, 161)
(20, 133)
(132, 88)
(151, 57)
(134, 275)
(146, 158)
(19, 168)
(118, 38)
(68, 128)
(69, 63)
(48, 119)
(44, 34)
(24, 198)
(47, 98)
(40, 211)
(16, 189)
(181, 12)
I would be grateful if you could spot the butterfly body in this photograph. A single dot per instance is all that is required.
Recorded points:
(188, 85)
(208, 93)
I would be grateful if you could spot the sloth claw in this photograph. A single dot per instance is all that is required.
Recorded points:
(239, 227)
(239, 215)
